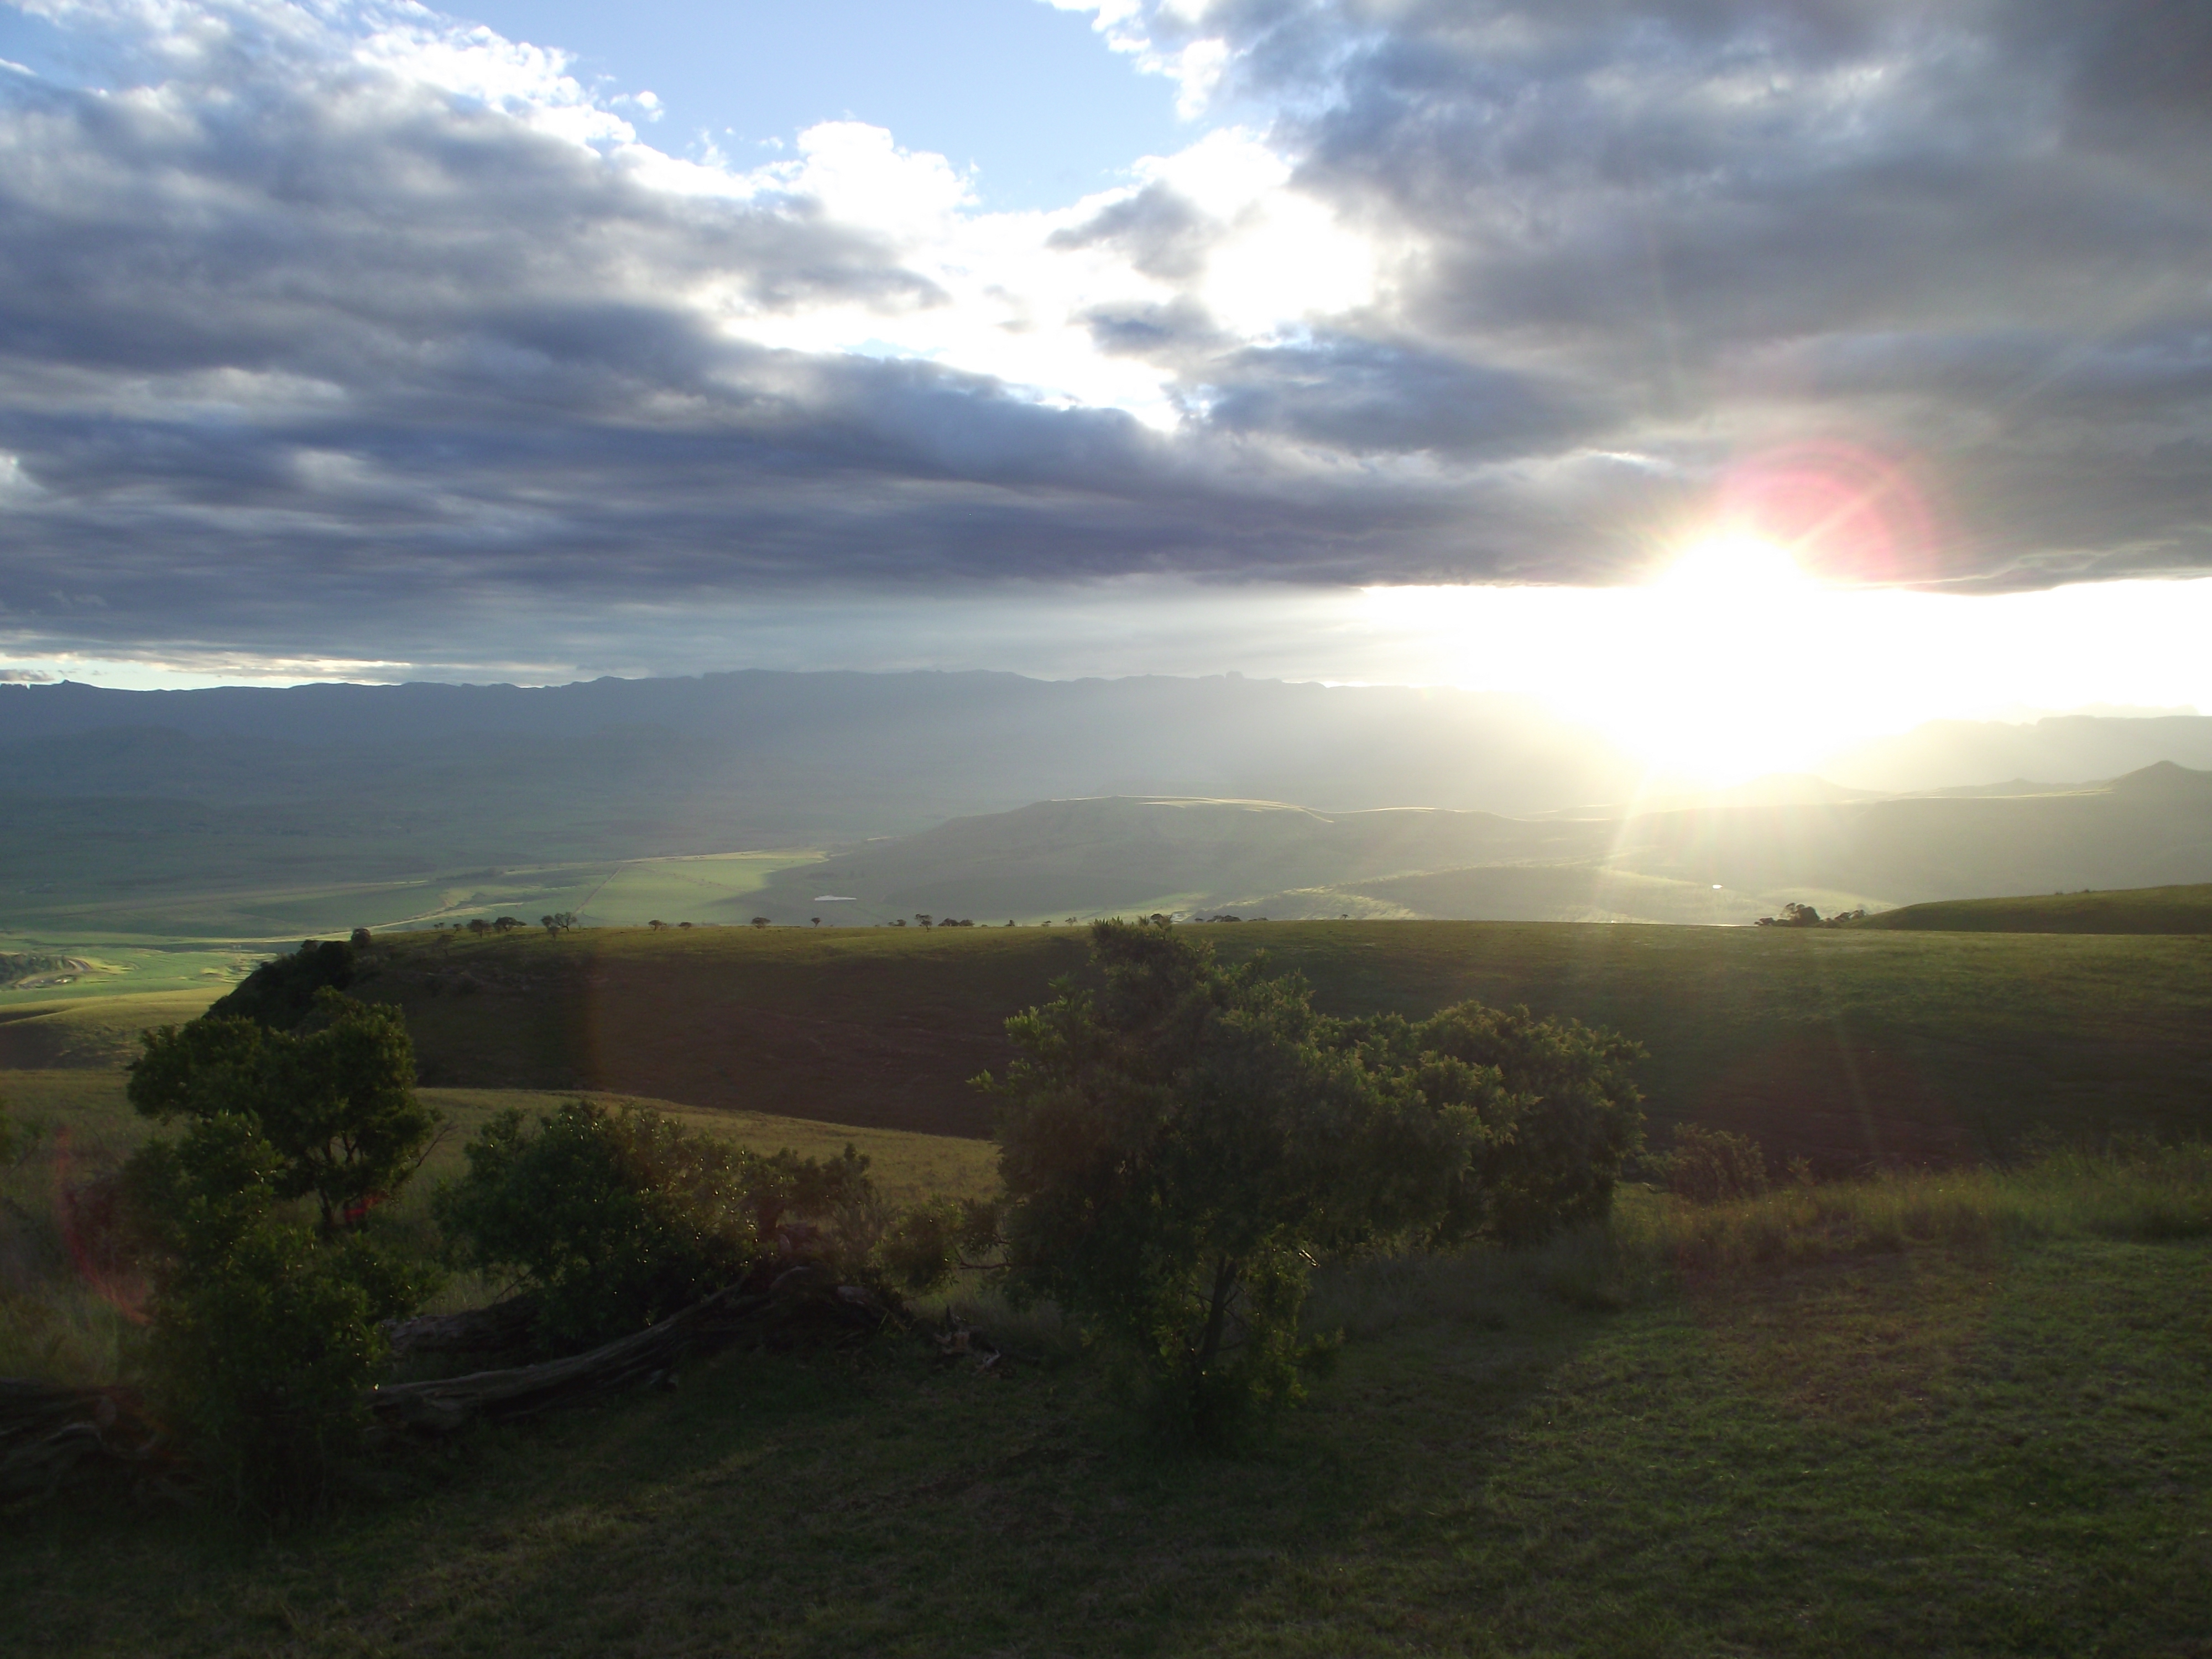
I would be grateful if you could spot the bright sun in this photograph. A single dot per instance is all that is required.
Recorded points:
(1726, 691)
(1741, 574)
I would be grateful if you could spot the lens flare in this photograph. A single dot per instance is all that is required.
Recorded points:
(1845, 513)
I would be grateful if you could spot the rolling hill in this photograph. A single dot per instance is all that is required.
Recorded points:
(1725, 863)
(242, 813)
(2131, 910)
(1844, 1046)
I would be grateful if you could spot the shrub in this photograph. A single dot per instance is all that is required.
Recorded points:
(266, 1331)
(1559, 1111)
(924, 1247)
(1176, 1151)
(611, 1219)
(1709, 1165)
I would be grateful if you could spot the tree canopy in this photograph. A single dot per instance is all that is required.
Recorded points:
(334, 1099)
(1176, 1147)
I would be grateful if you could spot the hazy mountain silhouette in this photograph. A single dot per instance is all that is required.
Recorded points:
(103, 791)
(1723, 863)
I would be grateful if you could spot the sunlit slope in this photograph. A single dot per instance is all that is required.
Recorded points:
(2152, 828)
(2131, 910)
(91, 1104)
(92, 1031)
(1846, 1046)
(1726, 863)
(1135, 853)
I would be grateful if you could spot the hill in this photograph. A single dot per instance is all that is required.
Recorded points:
(1846, 1047)
(241, 812)
(1951, 754)
(1727, 862)
(2136, 911)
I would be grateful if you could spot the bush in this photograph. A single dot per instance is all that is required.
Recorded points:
(1558, 1110)
(1176, 1151)
(265, 1330)
(610, 1220)
(926, 1246)
(1709, 1165)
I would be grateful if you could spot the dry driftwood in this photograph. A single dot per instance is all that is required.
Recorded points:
(54, 1437)
(643, 1357)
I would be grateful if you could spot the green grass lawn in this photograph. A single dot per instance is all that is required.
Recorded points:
(1967, 1447)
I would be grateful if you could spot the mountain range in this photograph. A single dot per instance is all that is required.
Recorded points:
(1408, 801)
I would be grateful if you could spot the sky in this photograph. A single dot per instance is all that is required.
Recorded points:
(1734, 375)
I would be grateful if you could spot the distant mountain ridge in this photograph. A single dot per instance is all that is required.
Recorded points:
(107, 795)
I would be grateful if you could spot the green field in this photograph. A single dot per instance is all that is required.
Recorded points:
(1847, 1046)
(137, 928)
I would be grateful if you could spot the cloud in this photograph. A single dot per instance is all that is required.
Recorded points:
(354, 314)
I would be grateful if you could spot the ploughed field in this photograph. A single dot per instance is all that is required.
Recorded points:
(1845, 1047)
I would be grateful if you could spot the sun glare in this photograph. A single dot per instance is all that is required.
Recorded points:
(1716, 696)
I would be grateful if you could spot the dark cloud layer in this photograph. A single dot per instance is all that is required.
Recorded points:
(284, 335)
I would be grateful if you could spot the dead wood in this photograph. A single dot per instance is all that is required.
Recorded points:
(645, 1357)
(53, 1436)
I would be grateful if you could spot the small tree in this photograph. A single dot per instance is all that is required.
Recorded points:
(562, 921)
(1176, 1151)
(336, 1101)
(266, 1335)
(923, 919)
(760, 922)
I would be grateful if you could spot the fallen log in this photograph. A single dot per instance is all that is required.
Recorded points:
(640, 1358)
(52, 1436)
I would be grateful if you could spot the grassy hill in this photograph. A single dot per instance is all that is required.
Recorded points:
(1844, 1046)
(1727, 862)
(2132, 910)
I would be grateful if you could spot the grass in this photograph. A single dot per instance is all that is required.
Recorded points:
(100, 1032)
(1971, 1441)
(2129, 910)
(1849, 1048)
